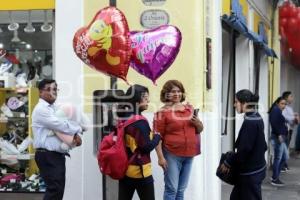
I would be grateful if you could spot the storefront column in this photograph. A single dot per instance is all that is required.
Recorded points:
(68, 74)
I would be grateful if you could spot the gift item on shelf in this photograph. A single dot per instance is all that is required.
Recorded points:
(14, 103)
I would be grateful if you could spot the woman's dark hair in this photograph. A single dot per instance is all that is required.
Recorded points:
(246, 96)
(44, 82)
(168, 86)
(277, 101)
(286, 94)
(134, 95)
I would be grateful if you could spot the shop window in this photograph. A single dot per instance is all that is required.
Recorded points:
(25, 58)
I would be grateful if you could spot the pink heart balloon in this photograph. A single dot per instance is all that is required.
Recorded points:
(153, 51)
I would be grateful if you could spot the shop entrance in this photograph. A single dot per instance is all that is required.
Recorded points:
(26, 38)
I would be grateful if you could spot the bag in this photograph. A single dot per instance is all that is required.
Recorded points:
(229, 177)
(112, 155)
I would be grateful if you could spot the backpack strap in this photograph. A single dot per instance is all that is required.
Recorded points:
(133, 119)
(135, 154)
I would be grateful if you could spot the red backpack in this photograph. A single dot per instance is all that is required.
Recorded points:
(112, 155)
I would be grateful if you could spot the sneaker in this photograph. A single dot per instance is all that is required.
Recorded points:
(4, 67)
(288, 169)
(277, 183)
(283, 170)
(8, 148)
(21, 80)
(5, 109)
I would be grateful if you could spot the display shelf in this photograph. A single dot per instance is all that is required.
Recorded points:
(21, 122)
(18, 156)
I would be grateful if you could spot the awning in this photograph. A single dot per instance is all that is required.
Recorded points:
(237, 21)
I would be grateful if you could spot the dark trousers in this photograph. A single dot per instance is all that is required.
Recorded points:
(145, 191)
(289, 138)
(248, 187)
(53, 170)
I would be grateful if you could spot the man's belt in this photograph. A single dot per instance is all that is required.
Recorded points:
(46, 150)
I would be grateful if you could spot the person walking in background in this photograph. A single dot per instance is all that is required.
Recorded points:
(290, 116)
(49, 156)
(297, 143)
(140, 141)
(278, 137)
(249, 157)
(179, 130)
(290, 119)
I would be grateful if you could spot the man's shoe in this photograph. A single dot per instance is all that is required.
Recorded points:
(283, 170)
(277, 182)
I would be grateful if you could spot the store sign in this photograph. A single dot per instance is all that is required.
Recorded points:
(154, 18)
(154, 2)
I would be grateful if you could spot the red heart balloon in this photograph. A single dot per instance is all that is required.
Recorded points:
(104, 44)
(289, 31)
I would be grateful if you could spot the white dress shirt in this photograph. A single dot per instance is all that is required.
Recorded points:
(44, 121)
(289, 116)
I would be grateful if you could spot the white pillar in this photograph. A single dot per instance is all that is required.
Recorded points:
(68, 70)
(211, 139)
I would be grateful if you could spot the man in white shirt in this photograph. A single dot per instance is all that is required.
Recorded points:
(50, 158)
(290, 119)
(289, 114)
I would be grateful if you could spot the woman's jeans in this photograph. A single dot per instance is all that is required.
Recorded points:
(176, 176)
(280, 156)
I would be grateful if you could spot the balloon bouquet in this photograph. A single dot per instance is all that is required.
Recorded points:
(289, 28)
(108, 46)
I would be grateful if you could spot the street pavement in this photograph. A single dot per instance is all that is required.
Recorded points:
(291, 190)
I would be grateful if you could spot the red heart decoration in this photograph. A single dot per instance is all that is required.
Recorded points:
(104, 44)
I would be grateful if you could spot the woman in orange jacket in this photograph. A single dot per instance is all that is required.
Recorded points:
(180, 141)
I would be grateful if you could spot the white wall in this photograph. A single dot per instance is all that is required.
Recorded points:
(68, 68)
(242, 73)
(211, 139)
(290, 81)
(261, 7)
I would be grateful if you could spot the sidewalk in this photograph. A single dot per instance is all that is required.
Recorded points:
(291, 190)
